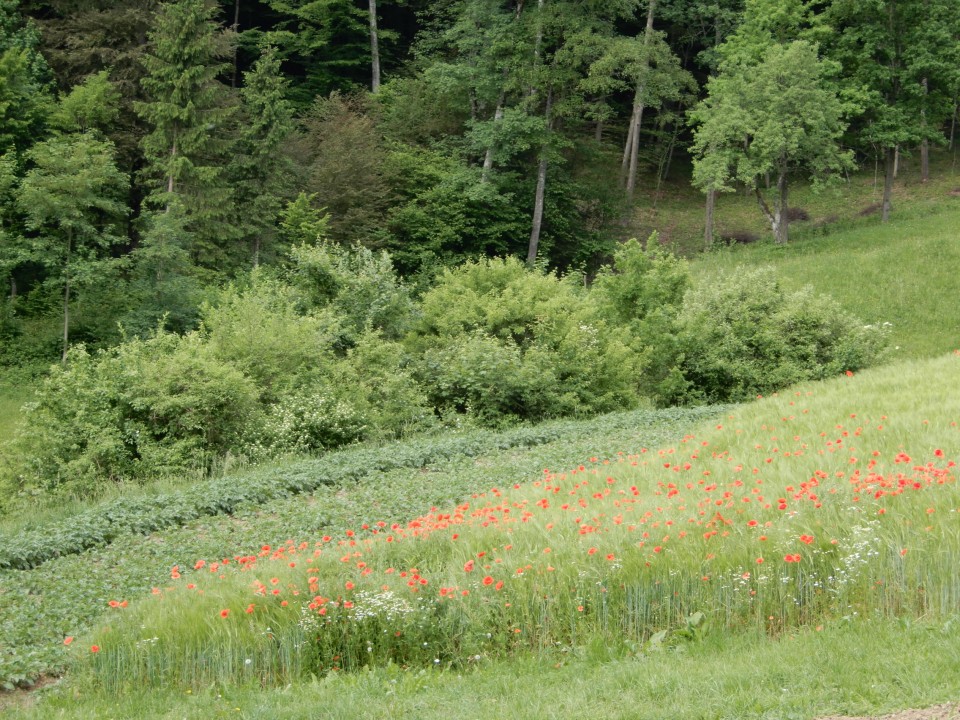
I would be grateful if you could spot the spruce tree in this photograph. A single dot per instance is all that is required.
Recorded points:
(261, 171)
(188, 111)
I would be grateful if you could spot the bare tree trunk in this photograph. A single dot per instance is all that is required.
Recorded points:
(488, 157)
(953, 123)
(374, 47)
(708, 230)
(236, 46)
(890, 164)
(537, 224)
(66, 299)
(628, 145)
(896, 162)
(783, 219)
(598, 131)
(778, 216)
(638, 108)
(924, 145)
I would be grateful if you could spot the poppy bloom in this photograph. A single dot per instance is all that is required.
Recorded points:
(94, 648)
(224, 612)
(67, 640)
(488, 580)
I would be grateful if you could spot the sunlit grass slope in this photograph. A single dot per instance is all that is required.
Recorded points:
(903, 273)
(830, 502)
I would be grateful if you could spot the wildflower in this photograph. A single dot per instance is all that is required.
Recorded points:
(94, 648)
(224, 612)
(67, 640)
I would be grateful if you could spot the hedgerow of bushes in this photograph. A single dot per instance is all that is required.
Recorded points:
(337, 350)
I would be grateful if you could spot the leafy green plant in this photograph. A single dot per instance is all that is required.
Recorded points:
(742, 335)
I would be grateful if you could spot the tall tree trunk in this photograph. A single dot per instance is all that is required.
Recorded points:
(896, 162)
(637, 119)
(598, 131)
(889, 172)
(497, 120)
(628, 146)
(537, 223)
(708, 230)
(778, 216)
(66, 299)
(374, 47)
(953, 123)
(780, 212)
(924, 145)
(236, 46)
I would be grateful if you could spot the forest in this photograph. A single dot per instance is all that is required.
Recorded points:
(280, 226)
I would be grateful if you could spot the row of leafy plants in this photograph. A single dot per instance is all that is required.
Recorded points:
(66, 593)
(336, 350)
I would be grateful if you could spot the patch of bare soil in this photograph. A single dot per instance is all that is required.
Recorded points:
(947, 711)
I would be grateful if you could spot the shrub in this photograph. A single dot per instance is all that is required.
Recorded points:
(743, 335)
(643, 292)
(146, 408)
(502, 343)
(256, 327)
(356, 284)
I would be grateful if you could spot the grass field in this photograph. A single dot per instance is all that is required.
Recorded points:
(718, 635)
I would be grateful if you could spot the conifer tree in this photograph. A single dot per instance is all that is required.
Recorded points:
(188, 110)
(261, 171)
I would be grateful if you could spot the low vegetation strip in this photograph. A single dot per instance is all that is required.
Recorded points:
(105, 522)
(63, 596)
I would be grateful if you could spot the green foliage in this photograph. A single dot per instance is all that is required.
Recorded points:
(261, 172)
(145, 409)
(90, 105)
(71, 201)
(341, 156)
(743, 335)
(503, 343)
(25, 92)
(186, 103)
(643, 291)
(447, 213)
(357, 285)
(258, 329)
(165, 288)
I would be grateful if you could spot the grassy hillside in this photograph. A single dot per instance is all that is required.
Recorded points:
(539, 571)
(903, 273)
(523, 607)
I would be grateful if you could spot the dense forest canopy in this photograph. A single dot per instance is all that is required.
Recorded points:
(285, 225)
(151, 150)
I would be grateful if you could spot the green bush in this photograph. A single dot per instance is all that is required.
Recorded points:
(643, 291)
(257, 328)
(358, 286)
(146, 408)
(502, 343)
(743, 335)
